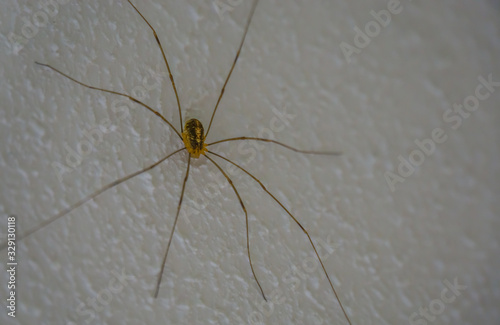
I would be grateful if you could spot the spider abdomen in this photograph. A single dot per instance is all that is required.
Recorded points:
(194, 138)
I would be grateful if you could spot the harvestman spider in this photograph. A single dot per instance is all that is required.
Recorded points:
(193, 137)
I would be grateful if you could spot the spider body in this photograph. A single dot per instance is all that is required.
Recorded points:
(193, 137)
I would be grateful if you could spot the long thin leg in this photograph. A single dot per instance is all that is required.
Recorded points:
(164, 59)
(246, 220)
(254, 5)
(113, 92)
(173, 229)
(296, 221)
(330, 153)
(88, 198)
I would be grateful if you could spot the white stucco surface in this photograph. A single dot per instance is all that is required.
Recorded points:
(393, 250)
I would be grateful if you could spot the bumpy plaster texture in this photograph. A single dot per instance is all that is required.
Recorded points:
(392, 250)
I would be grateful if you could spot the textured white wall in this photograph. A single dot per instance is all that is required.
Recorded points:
(393, 249)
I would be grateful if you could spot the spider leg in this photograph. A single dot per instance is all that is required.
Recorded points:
(88, 198)
(327, 153)
(246, 220)
(160, 275)
(297, 222)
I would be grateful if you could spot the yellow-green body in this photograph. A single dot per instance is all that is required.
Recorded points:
(194, 138)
